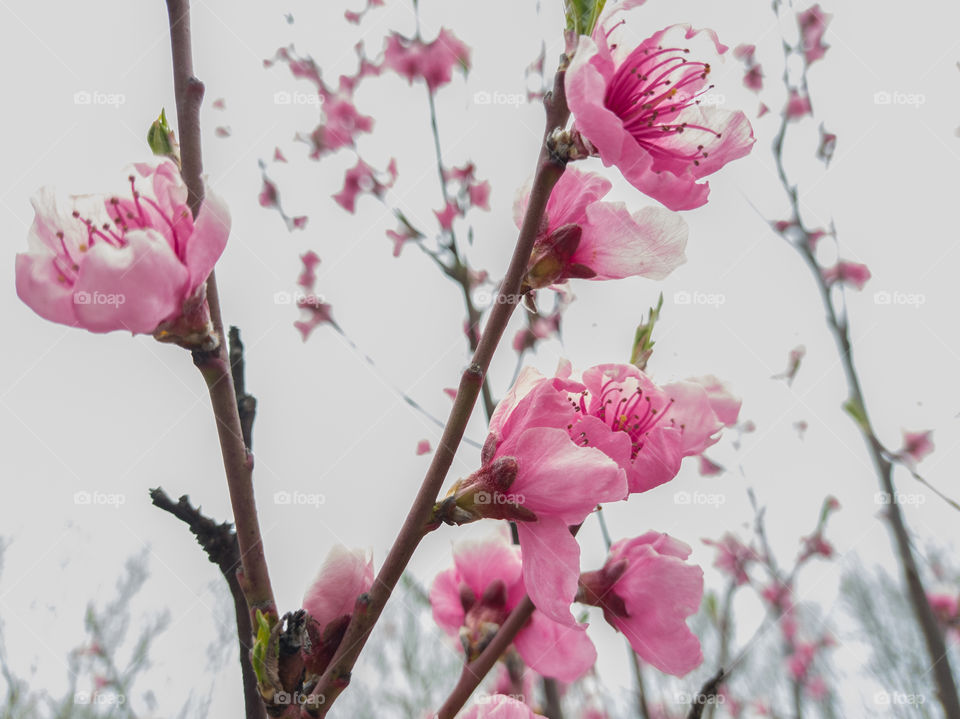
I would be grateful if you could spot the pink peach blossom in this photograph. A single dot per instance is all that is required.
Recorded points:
(852, 274)
(344, 575)
(433, 61)
(558, 447)
(583, 237)
(647, 591)
(448, 214)
(813, 24)
(916, 446)
(423, 447)
(114, 263)
(308, 275)
(637, 107)
(733, 557)
(474, 597)
(797, 105)
(360, 179)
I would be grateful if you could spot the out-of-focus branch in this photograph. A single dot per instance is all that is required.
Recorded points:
(707, 695)
(840, 329)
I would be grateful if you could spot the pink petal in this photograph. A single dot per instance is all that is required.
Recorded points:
(209, 238)
(615, 244)
(551, 566)
(555, 650)
(132, 288)
(344, 576)
(445, 601)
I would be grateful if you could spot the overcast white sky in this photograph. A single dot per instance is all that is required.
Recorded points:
(111, 414)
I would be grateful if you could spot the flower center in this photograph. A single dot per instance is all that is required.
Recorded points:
(138, 213)
(632, 413)
(648, 92)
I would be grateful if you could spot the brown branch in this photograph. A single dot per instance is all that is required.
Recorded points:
(550, 167)
(246, 403)
(219, 542)
(707, 695)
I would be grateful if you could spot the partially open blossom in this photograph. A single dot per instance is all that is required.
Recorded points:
(340, 127)
(582, 236)
(474, 597)
(637, 107)
(946, 608)
(498, 706)
(813, 24)
(135, 263)
(360, 179)
(797, 105)
(916, 446)
(647, 591)
(852, 274)
(330, 601)
(733, 557)
(433, 61)
(794, 359)
(448, 214)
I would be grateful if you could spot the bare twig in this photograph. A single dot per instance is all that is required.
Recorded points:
(219, 542)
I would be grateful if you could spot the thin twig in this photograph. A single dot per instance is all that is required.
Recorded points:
(219, 542)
